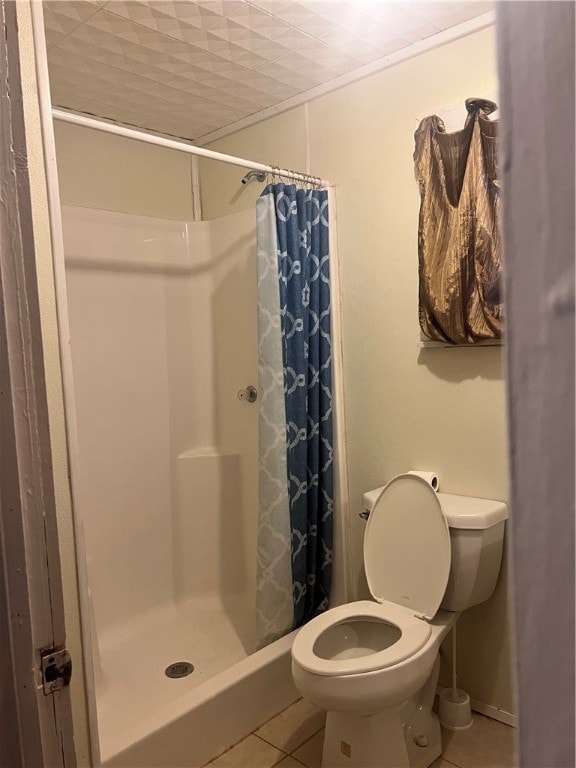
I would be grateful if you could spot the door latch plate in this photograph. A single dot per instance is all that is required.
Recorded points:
(56, 670)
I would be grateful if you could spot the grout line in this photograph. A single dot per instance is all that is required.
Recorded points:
(298, 761)
(295, 748)
(283, 710)
(74, 29)
(306, 742)
(270, 743)
(284, 753)
(267, 741)
(277, 715)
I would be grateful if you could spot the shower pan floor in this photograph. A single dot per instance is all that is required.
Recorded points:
(132, 685)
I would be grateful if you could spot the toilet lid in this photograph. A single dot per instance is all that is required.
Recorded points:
(407, 546)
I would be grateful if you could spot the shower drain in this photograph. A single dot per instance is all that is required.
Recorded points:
(179, 669)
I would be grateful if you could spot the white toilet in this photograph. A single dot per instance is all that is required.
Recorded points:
(374, 665)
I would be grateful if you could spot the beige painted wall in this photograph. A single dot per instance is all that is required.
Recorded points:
(99, 170)
(406, 407)
(53, 374)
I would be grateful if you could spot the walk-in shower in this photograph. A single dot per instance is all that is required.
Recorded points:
(164, 362)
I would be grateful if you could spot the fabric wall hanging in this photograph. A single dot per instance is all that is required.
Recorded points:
(459, 244)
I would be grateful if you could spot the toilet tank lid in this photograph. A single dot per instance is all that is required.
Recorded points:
(471, 513)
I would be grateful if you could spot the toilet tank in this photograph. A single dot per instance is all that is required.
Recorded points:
(477, 538)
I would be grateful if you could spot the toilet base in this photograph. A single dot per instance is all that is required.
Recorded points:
(380, 741)
(405, 736)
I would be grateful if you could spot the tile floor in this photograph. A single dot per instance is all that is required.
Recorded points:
(294, 739)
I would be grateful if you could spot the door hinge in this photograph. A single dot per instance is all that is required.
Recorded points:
(56, 670)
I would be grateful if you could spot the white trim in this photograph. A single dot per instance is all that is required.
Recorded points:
(342, 575)
(307, 132)
(45, 106)
(404, 54)
(496, 714)
(179, 145)
(488, 710)
(196, 191)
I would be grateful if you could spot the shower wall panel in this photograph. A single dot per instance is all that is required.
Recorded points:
(216, 511)
(115, 267)
(163, 336)
(234, 322)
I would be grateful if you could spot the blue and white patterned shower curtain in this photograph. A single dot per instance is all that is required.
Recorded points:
(295, 411)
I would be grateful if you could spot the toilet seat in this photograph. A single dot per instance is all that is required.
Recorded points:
(407, 550)
(407, 564)
(414, 634)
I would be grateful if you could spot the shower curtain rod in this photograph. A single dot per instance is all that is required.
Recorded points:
(180, 146)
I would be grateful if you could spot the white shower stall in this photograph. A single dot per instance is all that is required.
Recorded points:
(163, 339)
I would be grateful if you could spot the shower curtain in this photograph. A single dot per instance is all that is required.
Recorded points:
(295, 410)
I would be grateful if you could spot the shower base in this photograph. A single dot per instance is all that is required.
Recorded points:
(148, 719)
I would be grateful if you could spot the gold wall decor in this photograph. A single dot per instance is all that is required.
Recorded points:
(459, 243)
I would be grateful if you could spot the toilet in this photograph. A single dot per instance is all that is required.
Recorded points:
(373, 664)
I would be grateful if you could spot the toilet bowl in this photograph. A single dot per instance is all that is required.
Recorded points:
(373, 665)
(362, 657)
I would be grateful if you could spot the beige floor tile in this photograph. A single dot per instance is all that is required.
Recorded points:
(251, 752)
(488, 744)
(289, 762)
(441, 763)
(292, 727)
(310, 753)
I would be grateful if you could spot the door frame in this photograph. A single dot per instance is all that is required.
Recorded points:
(31, 605)
(61, 297)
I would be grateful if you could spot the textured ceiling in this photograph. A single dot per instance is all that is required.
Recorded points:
(190, 67)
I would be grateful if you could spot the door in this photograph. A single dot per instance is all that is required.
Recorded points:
(36, 727)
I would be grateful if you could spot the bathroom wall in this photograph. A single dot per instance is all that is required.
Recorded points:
(406, 407)
(99, 170)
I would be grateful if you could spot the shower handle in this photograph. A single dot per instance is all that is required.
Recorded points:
(250, 394)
